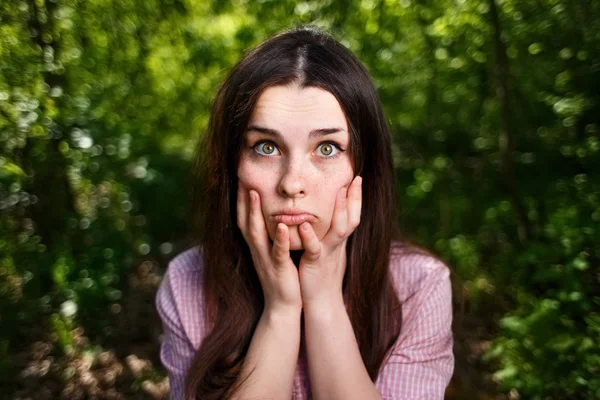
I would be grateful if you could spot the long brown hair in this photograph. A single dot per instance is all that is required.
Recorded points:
(231, 288)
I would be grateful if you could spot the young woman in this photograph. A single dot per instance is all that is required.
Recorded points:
(299, 286)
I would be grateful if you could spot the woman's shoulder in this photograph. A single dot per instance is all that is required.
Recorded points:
(187, 262)
(179, 298)
(184, 275)
(412, 268)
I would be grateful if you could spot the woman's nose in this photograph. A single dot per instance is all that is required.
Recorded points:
(292, 183)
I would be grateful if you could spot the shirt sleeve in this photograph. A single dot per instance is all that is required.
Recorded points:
(421, 361)
(176, 349)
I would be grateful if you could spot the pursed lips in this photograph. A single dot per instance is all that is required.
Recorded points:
(293, 217)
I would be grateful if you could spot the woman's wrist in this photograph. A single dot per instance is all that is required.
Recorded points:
(324, 309)
(282, 315)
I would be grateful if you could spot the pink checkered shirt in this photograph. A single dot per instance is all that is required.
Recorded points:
(421, 362)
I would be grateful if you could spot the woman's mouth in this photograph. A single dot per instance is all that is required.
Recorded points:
(293, 219)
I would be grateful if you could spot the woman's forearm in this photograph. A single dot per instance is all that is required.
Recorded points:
(335, 365)
(272, 357)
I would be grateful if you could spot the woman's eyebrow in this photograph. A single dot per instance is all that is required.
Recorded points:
(314, 133)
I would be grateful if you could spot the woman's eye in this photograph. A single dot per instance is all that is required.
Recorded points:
(327, 150)
(266, 149)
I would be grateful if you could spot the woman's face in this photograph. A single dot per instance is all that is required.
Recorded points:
(296, 156)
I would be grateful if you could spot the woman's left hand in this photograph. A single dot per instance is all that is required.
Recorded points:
(323, 264)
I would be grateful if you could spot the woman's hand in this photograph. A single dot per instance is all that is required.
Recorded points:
(276, 270)
(323, 263)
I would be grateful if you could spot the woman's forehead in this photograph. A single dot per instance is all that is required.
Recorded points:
(285, 108)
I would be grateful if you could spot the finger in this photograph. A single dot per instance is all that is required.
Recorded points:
(354, 204)
(242, 210)
(310, 242)
(281, 244)
(339, 220)
(256, 225)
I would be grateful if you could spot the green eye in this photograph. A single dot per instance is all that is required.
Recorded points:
(266, 149)
(327, 150)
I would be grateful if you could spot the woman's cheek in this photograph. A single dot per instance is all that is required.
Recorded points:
(324, 228)
(245, 173)
(251, 177)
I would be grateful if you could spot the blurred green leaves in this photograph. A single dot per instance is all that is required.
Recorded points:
(102, 101)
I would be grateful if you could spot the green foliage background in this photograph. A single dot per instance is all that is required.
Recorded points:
(495, 110)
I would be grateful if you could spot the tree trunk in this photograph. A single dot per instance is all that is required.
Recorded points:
(506, 138)
(48, 175)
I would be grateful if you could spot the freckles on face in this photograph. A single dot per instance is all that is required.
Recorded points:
(296, 156)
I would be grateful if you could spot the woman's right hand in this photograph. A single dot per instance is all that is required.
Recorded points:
(277, 273)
